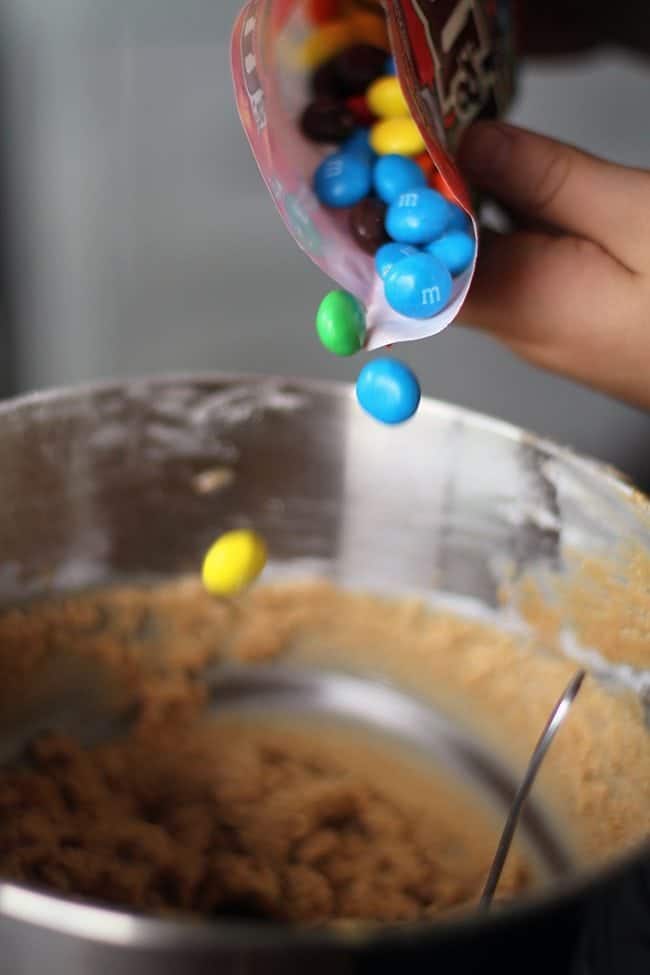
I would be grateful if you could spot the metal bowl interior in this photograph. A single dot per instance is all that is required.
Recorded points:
(127, 481)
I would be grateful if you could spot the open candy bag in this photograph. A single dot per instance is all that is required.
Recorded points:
(454, 61)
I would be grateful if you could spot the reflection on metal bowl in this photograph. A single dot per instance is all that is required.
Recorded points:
(111, 485)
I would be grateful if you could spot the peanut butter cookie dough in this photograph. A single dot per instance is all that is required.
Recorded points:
(220, 817)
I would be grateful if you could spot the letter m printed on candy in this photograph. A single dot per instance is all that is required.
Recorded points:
(431, 296)
(455, 63)
(408, 200)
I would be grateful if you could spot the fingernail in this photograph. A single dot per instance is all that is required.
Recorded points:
(484, 153)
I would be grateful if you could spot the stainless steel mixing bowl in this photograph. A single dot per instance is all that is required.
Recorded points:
(128, 480)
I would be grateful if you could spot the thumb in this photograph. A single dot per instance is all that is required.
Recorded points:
(547, 181)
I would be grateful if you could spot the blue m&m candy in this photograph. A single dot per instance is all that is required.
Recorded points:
(389, 255)
(455, 250)
(388, 390)
(394, 175)
(343, 179)
(458, 220)
(359, 144)
(418, 217)
(419, 286)
(390, 67)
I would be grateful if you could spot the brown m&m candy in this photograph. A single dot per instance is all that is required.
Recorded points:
(349, 73)
(325, 81)
(367, 224)
(358, 66)
(326, 120)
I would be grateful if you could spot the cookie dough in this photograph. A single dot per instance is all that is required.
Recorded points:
(190, 813)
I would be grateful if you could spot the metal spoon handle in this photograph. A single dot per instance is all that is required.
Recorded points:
(553, 725)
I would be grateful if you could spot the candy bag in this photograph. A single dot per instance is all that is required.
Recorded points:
(454, 60)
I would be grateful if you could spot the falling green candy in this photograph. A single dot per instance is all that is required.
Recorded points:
(341, 323)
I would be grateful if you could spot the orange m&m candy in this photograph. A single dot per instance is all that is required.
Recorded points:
(427, 165)
(369, 28)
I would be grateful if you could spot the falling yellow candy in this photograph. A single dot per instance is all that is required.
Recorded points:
(233, 563)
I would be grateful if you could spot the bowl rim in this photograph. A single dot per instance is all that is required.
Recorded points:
(110, 927)
(339, 390)
(98, 924)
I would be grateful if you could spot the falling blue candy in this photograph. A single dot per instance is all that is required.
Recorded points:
(388, 390)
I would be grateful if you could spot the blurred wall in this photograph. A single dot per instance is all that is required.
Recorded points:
(143, 240)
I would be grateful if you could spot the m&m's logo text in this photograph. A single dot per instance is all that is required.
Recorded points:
(463, 73)
(251, 75)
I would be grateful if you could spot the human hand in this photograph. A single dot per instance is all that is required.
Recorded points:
(570, 290)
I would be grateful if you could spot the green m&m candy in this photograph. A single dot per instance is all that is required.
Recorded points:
(340, 323)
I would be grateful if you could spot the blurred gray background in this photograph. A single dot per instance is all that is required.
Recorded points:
(138, 237)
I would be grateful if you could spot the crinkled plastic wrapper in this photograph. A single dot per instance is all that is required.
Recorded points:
(455, 63)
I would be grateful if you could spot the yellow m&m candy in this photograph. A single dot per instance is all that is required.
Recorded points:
(385, 99)
(233, 563)
(396, 136)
